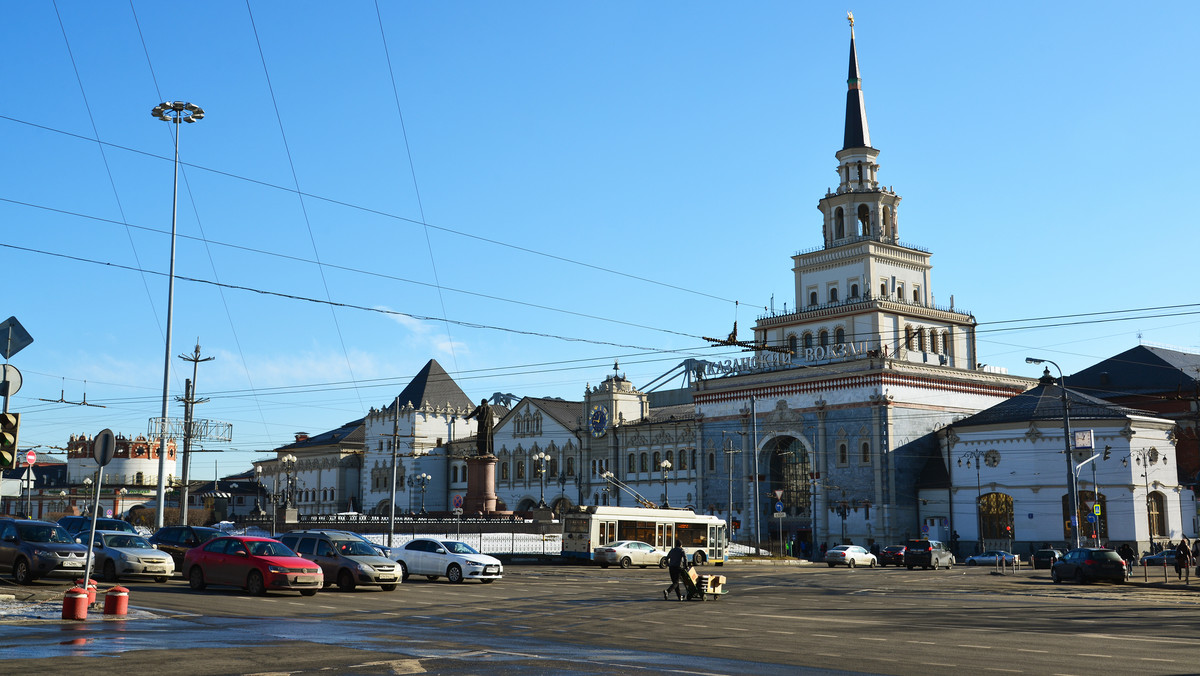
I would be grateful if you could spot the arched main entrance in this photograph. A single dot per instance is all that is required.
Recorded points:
(789, 469)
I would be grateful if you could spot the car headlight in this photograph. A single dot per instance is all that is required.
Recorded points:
(277, 569)
(42, 552)
(366, 568)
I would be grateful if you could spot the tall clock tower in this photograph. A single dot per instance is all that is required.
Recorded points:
(863, 291)
(610, 404)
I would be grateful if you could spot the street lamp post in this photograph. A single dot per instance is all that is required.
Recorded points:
(174, 112)
(976, 456)
(665, 466)
(1145, 458)
(1071, 485)
(423, 481)
(540, 467)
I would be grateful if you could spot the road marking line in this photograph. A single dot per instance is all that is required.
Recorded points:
(968, 645)
(1011, 671)
(1154, 659)
(829, 654)
(328, 607)
(1093, 655)
(698, 626)
(735, 629)
(873, 639)
(940, 664)
(922, 642)
(823, 635)
(810, 619)
(1030, 650)
(769, 631)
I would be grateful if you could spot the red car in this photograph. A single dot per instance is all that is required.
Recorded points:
(257, 565)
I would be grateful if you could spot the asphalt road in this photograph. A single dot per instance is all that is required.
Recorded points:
(578, 620)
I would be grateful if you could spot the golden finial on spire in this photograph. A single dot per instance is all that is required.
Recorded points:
(850, 18)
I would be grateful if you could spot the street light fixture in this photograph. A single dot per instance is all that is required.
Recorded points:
(1072, 489)
(665, 466)
(174, 112)
(976, 456)
(423, 481)
(541, 459)
(1145, 458)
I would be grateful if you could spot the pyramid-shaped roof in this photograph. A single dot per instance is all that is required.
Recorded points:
(432, 387)
(1044, 403)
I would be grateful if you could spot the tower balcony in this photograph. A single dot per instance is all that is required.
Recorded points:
(862, 303)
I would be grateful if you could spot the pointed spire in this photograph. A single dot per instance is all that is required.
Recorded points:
(857, 135)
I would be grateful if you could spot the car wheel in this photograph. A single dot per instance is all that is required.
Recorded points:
(21, 572)
(308, 592)
(255, 584)
(196, 578)
(662, 563)
(831, 565)
(1054, 576)
(403, 571)
(110, 571)
(161, 579)
(345, 580)
(604, 565)
(972, 562)
(873, 563)
(454, 573)
(850, 562)
(488, 580)
(388, 587)
(431, 578)
(910, 567)
(625, 562)
(699, 559)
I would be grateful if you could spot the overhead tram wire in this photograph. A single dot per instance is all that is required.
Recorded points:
(173, 129)
(296, 181)
(384, 214)
(412, 170)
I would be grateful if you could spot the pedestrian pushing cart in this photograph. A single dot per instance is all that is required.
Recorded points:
(703, 586)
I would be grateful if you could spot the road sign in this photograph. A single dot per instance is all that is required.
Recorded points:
(1096, 509)
(778, 506)
(457, 502)
(778, 493)
(105, 447)
(108, 513)
(779, 515)
(1091, 518)
(13, 337)
(30, 458)
(457, 511)
(924, 529)
(10, 380)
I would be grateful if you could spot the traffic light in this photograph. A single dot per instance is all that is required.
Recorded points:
(1107, 452)
(1008, 532)
(9, 423)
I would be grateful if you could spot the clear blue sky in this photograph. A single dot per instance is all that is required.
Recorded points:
(600, 181)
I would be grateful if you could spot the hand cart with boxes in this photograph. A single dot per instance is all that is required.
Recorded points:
(703, 586)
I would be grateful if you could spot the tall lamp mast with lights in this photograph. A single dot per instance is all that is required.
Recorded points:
(1072, 490)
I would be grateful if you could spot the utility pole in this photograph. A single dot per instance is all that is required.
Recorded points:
(189, 400)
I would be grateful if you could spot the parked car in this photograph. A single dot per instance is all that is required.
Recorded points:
(33, 549)
(83, 524)
(257, 565)
(892, 555)
(851, 556)
(927, 554)
(177, 540)
(121, 554)
(384, 551)
(991, 558)
(1045, 558)
(344, 559)
(1088, 564)
(627, 553)
(1163, 558)
(456, 561)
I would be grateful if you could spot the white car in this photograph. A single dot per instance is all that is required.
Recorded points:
(850, 555)
(120, 554)
(453, 560)
(991, 558)
(627, 553)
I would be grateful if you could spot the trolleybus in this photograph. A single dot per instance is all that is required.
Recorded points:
(704, 537)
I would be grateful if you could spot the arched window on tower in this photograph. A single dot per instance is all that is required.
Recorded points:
(908, 338)
(883, 290)
(839, 336)
(885, 217)
(791, 344)
(865, 453)
(645, 463)
(808, 340)
(921, 340)
(833, 296)
(854, 291)
(839, 224)
(947, 346)
(631, 467)
(864, 220)
(843, 456)
(823, 338)
(812, 297)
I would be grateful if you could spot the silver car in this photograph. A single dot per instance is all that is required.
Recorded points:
(345, 559)
(120, 554)
(851, 556)
(627, 553)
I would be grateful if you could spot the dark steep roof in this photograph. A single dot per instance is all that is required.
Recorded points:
(1140, 370)
(857, 135)
(349, 433)
(566, 413)
(431, 387)
(1044, 403)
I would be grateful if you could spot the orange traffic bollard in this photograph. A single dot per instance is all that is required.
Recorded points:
(90, 587)
(116, 601)
(75, 604)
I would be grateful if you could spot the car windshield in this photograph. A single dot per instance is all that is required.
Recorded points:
(113, 524)
(459, 547)
(268, 548)
(894, 548)
(41, 532)
(840, 548)
(357, 548)
(127, 542)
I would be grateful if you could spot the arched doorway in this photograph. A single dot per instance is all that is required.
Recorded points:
(789, 468)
